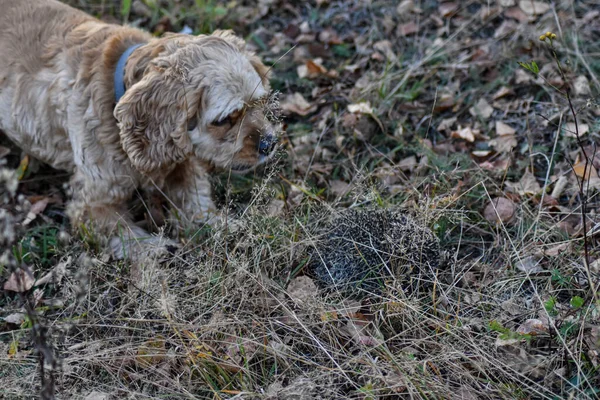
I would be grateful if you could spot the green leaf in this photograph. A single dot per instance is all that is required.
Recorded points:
(534, 68)
(498, 327)
(550, 304)
(125, 8)
(577, 302)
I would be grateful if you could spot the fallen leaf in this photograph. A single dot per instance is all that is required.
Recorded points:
(506, 28)
(312, 69)
(503, 129)
(405, 6)
(530, 265)
(467, 134)
(581, 86)
(580, 169)
(531, 7)
(499, 210)
(532, 327)
(502, 92)
(446, 124)
(528, 185)
(56, 274)
(362, 108)
(481, 153)
(339, 188)
(556, 249)
(15, 319)
(408, 163)
(504, 144)
(570, 129)
(297, 104)
(407, 29)
(302, 289)
(447, 9)
(20, 281)
(516, 13)
(35, 210)
(97, 396)
(4, 151)
(482, 109)
(22, 167)
(385, 47)
(151, 352)
(522, 76)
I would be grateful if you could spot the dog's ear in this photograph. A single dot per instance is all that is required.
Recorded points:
(153, 119)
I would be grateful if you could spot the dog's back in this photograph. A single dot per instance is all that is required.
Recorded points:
(35, 76)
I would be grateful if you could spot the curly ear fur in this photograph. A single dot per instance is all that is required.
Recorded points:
(152, 116)
(263, 71)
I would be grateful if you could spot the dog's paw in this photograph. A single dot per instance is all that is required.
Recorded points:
(142, 247)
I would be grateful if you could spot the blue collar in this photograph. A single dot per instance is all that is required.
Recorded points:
(120, 72)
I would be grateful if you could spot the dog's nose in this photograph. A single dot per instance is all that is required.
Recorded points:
(267, 144)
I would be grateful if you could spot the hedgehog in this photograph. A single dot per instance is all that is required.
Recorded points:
(363, 248)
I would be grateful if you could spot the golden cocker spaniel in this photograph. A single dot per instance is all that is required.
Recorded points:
(121, 110)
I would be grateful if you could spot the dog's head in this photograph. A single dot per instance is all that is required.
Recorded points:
(197, 95)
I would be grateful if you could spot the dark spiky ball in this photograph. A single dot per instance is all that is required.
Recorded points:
(362, 248)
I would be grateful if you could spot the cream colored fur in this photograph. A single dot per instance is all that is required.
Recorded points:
(191, 103)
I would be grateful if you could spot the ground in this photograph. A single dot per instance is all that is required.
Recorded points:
(421, 107)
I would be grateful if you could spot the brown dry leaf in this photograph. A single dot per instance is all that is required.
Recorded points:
(506, 28)
(482, 109)
(522, 77)
(499, 210)
(516, 13)
(529, 265)
(446, 124)
(581, 86)
(580, 169)
(302, 289)
(339, 188)
(481, 153)
(409, 28)
(56, 274)
(4, 151)
(15, 319)
(532, 327)
(329, 36)
(297, 104)
(504, 144)
(20, 281)
(467, 134)
(361, 108)
(570, 130)
(531, 7)
(528, 185)
(37, 208)
(502, 92)
(405, 6)
(447, 9)
(151, 352)
(408, 163)
(385, 47)
(312, 69)
(503, 129)
(556, 249)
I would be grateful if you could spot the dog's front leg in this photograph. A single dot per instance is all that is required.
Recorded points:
(100, 206)
(189, 192)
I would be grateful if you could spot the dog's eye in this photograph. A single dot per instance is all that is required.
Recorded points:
(192, 123)
(223, 122)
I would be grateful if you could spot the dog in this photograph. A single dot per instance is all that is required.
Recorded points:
(122, 110)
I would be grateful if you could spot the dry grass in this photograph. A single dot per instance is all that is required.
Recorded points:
(510, 313)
